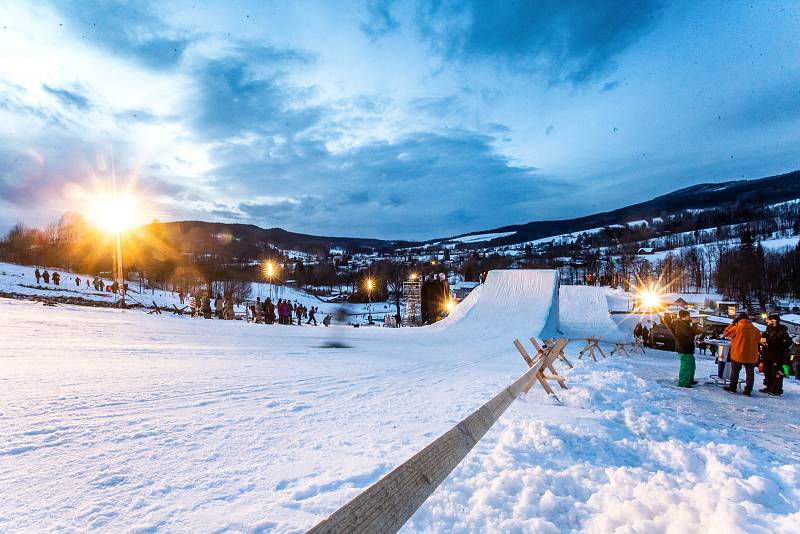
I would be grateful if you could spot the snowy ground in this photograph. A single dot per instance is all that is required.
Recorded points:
(120, 421)
(20, 281)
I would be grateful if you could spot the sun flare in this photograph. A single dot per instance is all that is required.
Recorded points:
(114, 213)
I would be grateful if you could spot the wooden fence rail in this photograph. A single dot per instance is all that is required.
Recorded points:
(385, 506)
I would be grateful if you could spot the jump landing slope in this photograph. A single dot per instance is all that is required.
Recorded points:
(584, 312)
(511, 303)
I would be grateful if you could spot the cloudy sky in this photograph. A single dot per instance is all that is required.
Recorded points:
(390, 119)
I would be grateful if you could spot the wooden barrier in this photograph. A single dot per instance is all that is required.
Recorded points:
(385, 506)
(591, 344)
(544, 360)
(619, 348)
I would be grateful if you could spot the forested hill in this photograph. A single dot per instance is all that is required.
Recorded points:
(248, 241)
(740, 193)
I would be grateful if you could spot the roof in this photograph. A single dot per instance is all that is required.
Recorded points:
(726, 320)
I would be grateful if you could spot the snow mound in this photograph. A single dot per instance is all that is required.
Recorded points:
(517, 303)
(583, 311)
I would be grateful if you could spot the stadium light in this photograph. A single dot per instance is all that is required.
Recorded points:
(269, 269)
(650, 298)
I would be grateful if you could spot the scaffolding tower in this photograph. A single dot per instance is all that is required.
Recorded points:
(412, 292)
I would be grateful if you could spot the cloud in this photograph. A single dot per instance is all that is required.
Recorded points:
(70, 98)
(380, 20)
(129, 29)
(245, 92)
(567, 42)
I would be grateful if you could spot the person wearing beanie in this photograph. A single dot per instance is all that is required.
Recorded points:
(684, 333)
(775, 342)
(744, 338)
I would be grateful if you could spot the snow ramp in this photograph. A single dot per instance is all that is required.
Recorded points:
(517, 303)
(583, 311)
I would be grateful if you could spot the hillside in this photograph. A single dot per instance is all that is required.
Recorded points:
(746, 193)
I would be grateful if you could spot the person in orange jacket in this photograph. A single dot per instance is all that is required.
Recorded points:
(744, 351)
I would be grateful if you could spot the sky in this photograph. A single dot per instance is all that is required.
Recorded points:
(389, 119)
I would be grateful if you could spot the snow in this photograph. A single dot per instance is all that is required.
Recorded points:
(117, 420)
(476, 238)
(584, 310)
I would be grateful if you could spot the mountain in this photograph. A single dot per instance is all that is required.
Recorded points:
(759, 192)
(248, 241)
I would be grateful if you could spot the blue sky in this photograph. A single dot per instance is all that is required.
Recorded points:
(390, 119)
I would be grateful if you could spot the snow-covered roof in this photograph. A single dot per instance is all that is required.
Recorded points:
(792, 318)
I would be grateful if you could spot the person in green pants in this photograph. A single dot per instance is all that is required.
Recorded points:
(684, 333)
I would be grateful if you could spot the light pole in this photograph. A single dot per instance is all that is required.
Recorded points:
(269, 273)
(370, 286)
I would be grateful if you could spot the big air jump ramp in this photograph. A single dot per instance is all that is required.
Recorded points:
(523, 303)
(515, 303)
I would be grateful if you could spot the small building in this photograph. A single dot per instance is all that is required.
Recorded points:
(727, 308)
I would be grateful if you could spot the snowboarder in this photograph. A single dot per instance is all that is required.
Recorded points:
(744, 352)
(775, 343)
(684, 332)
(38, 275)
(56, 278)
(46, 277)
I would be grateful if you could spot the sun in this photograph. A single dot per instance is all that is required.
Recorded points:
(114, 213)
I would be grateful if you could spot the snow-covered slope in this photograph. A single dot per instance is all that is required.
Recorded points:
(517, 303)
(584, 311)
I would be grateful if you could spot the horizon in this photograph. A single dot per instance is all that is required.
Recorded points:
(389, 120)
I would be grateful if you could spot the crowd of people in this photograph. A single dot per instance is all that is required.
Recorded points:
(267, 312)
(773, 352)
(97, 283)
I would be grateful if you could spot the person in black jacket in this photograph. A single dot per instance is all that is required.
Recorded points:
(684, 333)
(775, 348)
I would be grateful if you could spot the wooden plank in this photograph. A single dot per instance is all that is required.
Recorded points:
(385, 506)
(525, 355)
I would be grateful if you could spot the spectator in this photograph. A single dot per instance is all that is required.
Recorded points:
(744, 352)
(56, 278)
(46, 277)
(794, 357)
(218, 304)
(775, 349)
(684, 333)
(38, 276)
(78, 281)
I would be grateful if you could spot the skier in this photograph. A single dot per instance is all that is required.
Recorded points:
(56, 278)
(38, 275)
(744, 352)
(775, 343)
(46, 277)
(684, 332)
